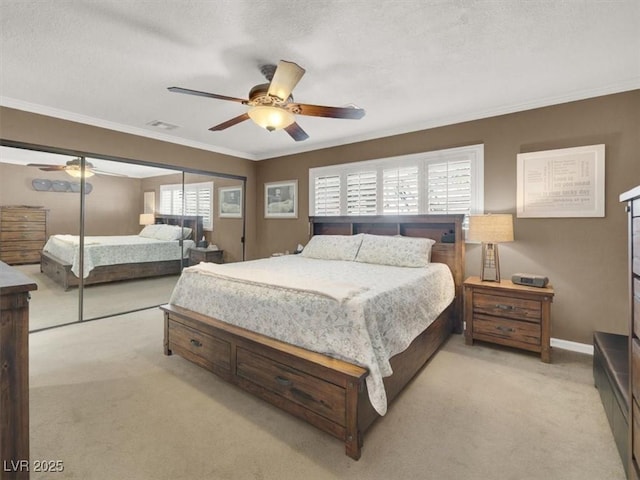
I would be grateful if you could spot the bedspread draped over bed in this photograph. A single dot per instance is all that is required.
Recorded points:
(359, 312)
(113, 250)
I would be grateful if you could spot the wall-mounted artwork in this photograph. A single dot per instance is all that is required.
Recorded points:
(230, 202)
(45, 185)
(281, 199)
(568, 182)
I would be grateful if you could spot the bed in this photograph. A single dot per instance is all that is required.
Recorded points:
(322, 378)
(159, 249)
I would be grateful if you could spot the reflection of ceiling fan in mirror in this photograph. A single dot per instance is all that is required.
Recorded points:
(272, 106)
(72, 167)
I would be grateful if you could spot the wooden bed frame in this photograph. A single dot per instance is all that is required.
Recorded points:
(60, 271)
(328, 393)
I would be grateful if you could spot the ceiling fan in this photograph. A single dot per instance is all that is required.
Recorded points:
(272, 106)
(72, 167)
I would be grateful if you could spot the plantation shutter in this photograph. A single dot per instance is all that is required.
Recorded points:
(361, 193)
(449, 187)
(449, 181)
(198, 200)
(327, 195)
(400, 190)
(170, 200)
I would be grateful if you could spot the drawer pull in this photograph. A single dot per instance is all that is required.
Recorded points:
(195, 343)
(502, 306)
(504, 329)
(285, 382)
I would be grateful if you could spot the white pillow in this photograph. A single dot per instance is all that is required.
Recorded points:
(396, 251)
(333, 247)
(168, 233)
(186, 232)
(149, 231)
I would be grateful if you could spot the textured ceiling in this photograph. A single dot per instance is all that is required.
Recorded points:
(410, 64)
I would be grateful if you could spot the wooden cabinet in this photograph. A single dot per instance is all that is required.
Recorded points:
(14, 374)
(508, 314)
(23, 233)
(632, 198)
(198, 254)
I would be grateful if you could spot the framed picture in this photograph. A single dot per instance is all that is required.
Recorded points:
(230, 202)
(568, 182)
(281, 199)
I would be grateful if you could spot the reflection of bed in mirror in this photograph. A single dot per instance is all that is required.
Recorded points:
(331, 336)
(159, 249)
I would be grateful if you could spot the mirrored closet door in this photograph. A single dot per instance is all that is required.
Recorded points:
(40, 198)
(129, 265)
(130, 234)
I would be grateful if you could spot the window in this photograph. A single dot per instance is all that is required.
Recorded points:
(440, 182)
(400, 191)
(327, 195)
(361, 193)
(198, 200)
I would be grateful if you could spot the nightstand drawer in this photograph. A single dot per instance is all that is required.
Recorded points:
(507, 307)
(513, 330)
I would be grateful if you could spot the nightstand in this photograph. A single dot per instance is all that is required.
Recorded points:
(508, 314)
(199, 254)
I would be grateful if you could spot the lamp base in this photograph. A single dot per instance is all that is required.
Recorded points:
(490, 263)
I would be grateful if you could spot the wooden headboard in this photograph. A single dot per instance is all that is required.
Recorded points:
(194, 222)
(436, 227)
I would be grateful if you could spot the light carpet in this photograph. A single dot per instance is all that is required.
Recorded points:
(51, 305)
(109, 404)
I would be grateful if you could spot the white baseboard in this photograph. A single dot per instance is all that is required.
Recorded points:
(573, 346)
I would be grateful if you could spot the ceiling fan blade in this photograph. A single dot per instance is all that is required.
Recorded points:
(285, 78)
(46, 165)
(323, 111)
(230, 123)
(205, 94)
(296, 132)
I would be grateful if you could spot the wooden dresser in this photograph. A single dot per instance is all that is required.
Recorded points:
(513, 315)
(632, 198)
(14, 374)
(23, 233)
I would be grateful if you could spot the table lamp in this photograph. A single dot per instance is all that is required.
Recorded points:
(147, 219)
(490, 229)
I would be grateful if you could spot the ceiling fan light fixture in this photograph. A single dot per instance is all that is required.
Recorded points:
(75, 172)
(271, 118)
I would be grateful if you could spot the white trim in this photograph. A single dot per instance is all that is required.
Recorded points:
(572, 346)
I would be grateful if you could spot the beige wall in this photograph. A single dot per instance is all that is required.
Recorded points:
(112, 207)
(585, 258)
(20, 126)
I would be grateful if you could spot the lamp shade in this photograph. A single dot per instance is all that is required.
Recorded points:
(147, 219)
(491, 228)
(271, 118)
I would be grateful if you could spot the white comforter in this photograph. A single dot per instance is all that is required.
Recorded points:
(358, 312)
(113, 250)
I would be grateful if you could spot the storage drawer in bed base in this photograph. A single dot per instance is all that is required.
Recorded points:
(322, 391)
